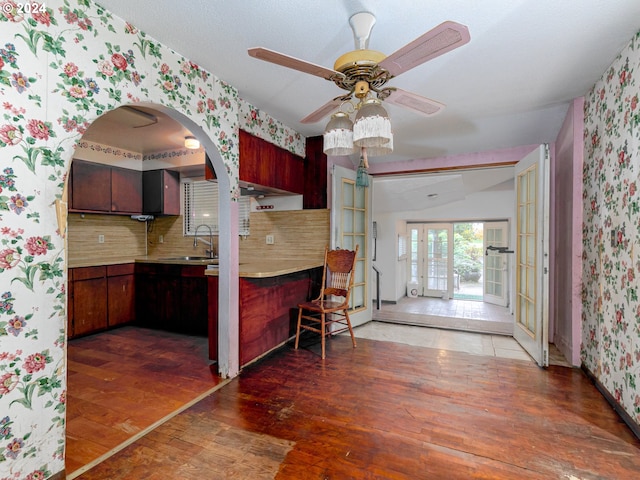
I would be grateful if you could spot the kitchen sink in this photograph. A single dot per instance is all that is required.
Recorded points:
(189, 258)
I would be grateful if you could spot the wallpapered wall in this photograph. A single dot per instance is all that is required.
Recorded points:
(611, 231)
(59, 70)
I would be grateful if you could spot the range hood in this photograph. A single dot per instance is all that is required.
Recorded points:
(259, 191)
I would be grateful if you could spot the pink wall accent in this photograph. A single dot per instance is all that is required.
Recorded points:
(567, 234)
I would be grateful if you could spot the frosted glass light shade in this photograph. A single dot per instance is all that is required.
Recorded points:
(372, 127)
(191, 143)
(338, 135)
(380, 150)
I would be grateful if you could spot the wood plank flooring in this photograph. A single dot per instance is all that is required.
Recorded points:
(125, 380)
(386, 410)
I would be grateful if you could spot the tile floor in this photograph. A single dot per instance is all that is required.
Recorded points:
(467, 315)
(448, 340)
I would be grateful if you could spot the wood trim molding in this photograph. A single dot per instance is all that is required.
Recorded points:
(635, 428)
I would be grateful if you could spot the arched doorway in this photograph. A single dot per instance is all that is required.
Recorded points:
(120, 148)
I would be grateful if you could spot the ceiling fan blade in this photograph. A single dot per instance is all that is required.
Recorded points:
(442, 39)
(323, 111)
(292, 62)
(414, 102)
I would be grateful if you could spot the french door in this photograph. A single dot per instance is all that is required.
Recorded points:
(531, 327)
(350, 218)
(431, 259)
(496, 263)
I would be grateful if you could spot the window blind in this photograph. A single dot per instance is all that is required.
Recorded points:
(200, 206)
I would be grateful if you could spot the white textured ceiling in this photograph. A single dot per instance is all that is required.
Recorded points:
(509, 86)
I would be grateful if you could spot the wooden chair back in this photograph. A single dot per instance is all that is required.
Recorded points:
(338, 274)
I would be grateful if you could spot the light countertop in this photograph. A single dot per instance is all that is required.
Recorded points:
(252, 269)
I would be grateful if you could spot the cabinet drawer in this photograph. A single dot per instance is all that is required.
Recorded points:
(87, 273)
(123, 269)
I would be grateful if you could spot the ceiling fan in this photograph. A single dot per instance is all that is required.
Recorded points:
(363, 71)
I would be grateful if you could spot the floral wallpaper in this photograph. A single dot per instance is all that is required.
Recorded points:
(611, 231)
(63, 63)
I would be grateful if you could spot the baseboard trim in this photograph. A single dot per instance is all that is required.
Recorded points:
(626, 418)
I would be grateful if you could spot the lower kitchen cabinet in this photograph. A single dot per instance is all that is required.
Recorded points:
(120, 294)
(212, 294)
(87, 300)
(172, 298)
(99, 298)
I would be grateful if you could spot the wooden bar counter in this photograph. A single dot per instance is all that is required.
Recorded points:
(269, 294)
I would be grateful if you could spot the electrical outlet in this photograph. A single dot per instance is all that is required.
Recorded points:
(160, 238)
(100, 238)
(270, 240)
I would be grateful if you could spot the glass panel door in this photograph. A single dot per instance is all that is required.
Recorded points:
(496, 263)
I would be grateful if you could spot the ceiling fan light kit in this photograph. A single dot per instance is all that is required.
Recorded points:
(372, 127)
(363, 73)
(338, 135)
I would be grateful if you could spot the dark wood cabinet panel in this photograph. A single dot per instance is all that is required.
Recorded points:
(263, 163)
(102, 188)
(90, 186)
(267, 311)
(89, 300)
(161, 192)
(315, 174)
(172, 298)
(120, 294)
(99, 298)
(126, 190)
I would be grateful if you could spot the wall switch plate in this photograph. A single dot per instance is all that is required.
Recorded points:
(100, 238)
(270, 240)
(160, 238)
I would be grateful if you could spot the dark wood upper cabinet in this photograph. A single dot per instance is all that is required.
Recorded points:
(90, 186)
(102, 188)
(315, 174)
(126, 190)
(161, 192)
(263, 163)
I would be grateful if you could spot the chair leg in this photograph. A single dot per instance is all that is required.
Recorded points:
(298, 329)
(322, 332)
(353, 338)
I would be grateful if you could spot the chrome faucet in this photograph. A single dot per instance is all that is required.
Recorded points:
(210, 252)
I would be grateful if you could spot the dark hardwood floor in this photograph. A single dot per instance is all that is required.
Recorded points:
(388, 411)
(123, 381)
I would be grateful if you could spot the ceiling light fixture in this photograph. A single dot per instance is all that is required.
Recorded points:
(191, 142)
(371, 129)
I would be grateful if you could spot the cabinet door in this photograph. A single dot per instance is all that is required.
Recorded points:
(146, 287)
(90, 186)
(89, 300)
(120, 296)
(171, 196)
(126, 190)
(161, 192)
(315, 175)
(193, 311)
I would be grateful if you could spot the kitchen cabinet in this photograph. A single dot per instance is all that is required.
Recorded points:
(264, 164)
(161, 192)
(105, 189)
(172, 298)
(99, 298)
(120, 294)
(87, 300)
(315, 174)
